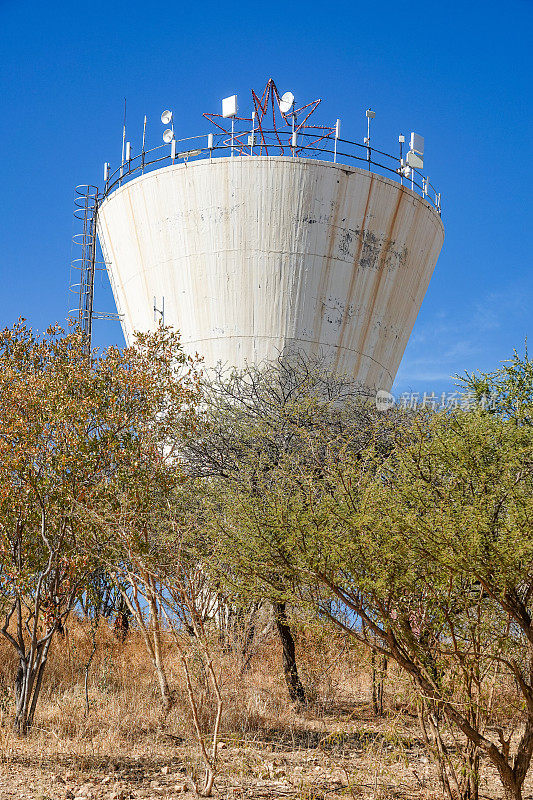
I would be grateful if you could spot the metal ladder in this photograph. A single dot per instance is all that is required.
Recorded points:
(84, 263)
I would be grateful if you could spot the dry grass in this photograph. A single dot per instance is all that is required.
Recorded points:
(336, 748)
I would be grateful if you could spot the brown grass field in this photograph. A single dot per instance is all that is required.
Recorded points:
(335, 748)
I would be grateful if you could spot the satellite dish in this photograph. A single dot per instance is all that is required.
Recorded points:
(285, 104)
(166, 117)
(168, 135)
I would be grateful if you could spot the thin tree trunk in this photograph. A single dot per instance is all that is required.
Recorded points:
(378, 682)
(152, 643)
(248, 638)
(474, 778)
(38, 681)
(19, 724)
(87, 668)
(28, 682)
(290, 670)
(168, 699)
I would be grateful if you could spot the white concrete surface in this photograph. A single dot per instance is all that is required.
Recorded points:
(259, 255)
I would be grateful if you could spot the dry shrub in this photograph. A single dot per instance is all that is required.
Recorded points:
(124, 700)
(124, 721)
(123, 692)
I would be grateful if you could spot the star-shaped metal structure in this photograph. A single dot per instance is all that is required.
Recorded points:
(271, 130)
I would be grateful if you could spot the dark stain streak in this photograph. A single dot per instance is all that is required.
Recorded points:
(354, 270)
(377, 284)
(344, 242)
(336, 205)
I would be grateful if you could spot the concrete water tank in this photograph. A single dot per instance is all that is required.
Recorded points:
(253, 256)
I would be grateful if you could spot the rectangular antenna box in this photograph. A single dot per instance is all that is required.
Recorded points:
(229, 106)
(417, 143)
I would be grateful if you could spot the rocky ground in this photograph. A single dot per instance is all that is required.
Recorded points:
(116, 748)
(327, 758)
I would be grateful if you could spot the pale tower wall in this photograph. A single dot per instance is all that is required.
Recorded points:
(257, 256)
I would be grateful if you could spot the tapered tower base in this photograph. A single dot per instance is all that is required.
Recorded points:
(253, 256)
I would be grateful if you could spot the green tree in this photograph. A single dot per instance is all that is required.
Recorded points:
(507, 391)
(253, 423)
(146, 535)
(422, 549)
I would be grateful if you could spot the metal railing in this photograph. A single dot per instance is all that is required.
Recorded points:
(272, 143)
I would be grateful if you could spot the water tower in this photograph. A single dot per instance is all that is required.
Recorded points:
(269, 235)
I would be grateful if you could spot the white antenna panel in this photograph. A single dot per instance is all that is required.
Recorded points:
(168, 135)
(229, 106)
(189, 153)
(166, 117)
(417, 143)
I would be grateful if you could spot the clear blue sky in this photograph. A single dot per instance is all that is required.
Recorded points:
(460, 73)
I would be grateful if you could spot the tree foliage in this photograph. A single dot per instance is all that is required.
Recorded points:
(256, 422)
(411, 532)
(417, 539)
(73, 429)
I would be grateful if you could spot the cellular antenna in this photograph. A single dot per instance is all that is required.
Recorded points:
(369, 115)
(229, 111)
(123, 141)
(415, 156)
(167, 118)
(286, 102)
